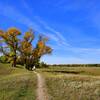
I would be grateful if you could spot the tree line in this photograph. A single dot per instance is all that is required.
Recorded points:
(20, 49)
(75, 65)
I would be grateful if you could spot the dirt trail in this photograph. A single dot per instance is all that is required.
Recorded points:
(41, 90)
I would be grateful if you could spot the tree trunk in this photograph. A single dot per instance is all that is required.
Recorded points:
(14, 61)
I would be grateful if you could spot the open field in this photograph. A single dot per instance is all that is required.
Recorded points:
(61, 83)
(17, 84)
(74, 83)
(94, 71)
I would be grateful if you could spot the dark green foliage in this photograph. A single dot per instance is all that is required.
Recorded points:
(43, 65)
(3, 59)
(75, 65)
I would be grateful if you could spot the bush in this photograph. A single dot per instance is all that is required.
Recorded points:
(3, 59)
(43, 65)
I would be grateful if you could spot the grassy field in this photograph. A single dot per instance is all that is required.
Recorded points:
(72, 83)
(94, 71)
(62, 83)
(17, 83)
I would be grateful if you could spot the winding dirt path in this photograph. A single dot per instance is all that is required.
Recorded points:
(41, 90)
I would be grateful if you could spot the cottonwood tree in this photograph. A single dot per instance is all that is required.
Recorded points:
(41, 49)
(22, 49)
(26, 48)
(30, 55)
(11, 40)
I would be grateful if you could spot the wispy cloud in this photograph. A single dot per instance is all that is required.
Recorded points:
(55, 35)
(14, 14)
(60, 38)
(80, 50)
(76, 35)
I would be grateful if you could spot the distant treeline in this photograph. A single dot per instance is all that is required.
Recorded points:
(75, 65)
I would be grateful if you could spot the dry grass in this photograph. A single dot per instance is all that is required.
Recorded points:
(66, 89)
(95, 71)
(73, 83)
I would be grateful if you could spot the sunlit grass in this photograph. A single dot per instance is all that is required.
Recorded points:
(17, 83)
(62, 83)
(74, 83)
(62, 88)
(95, 71)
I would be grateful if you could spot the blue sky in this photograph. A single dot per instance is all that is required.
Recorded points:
(73, 26)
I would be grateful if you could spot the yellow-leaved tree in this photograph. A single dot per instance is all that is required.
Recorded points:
(11, 40)
(21, 49)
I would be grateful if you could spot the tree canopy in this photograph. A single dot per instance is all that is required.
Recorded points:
(20, 50)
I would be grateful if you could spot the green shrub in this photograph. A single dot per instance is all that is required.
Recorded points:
(3, 59)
